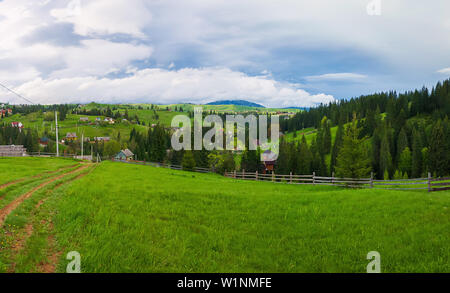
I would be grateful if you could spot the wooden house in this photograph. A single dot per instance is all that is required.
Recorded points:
(269, 160)
(71, 136)
(125, 155)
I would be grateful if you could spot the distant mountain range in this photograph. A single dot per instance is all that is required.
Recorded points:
(298, 108)
(236, 103)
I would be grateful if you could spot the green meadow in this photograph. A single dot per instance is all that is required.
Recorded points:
(130, 218)
(72, 123)
(22, 168)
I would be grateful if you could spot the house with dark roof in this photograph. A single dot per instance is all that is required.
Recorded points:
(269, 159)
(124, 155)
(43, 141)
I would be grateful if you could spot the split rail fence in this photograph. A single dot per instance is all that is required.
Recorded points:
(429, 183)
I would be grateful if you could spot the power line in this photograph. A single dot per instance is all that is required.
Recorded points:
(19, 95)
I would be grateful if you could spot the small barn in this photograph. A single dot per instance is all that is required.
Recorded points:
(125, 155)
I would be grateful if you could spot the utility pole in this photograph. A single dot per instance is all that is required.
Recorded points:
(56, 127)
(82, 146)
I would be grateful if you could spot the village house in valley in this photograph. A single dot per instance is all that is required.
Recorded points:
(4, 112)
(102, 139)
(124, 155)
(43, 141)
(269, 160)
(17, 125)
(71, 136)
(12, 151)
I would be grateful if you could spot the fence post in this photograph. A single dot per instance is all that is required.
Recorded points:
(429, 182)
(332, 178)
(243, 173)
(290, 177)
(256, 175)
(314, 178)
(371, 179)
(273, 176)
(234, 175)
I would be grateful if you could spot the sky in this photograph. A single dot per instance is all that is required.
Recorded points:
(278, 53)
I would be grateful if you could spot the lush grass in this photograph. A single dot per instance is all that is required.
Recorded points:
(160, 220)
(17, 168)
(309, 135)
(35, 246)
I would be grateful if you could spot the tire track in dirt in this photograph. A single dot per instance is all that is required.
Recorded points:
(52, 260)
(3, 186)
(50, 265)
(64, 183)
(20, 244)
(11, 183)
(16, 202)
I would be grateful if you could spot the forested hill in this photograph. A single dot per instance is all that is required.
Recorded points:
(236, 103)
(435, 102)
(406, 134)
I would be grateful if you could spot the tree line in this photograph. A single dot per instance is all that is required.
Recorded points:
(404, 136)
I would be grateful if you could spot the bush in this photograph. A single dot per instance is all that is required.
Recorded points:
(188, 162)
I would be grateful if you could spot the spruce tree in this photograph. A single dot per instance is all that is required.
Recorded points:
(416, 159)
(402, 142)
(336, 146)
(385, 155)
(404, 163)
(353, 161)
(304, 158)
(326, 136)
(437, 150)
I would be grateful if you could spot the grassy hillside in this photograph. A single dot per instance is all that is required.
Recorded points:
(19, 168)
(161, 220)
(190, 107)
(72, 123)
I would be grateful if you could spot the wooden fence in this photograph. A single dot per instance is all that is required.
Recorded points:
(439, 184)
(430, 184)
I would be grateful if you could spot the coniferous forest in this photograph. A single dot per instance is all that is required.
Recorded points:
(398, 135)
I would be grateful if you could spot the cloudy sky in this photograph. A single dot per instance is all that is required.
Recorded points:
(276, 53)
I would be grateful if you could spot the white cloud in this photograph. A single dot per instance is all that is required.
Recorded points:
(251, 36)
(345, 76)
(170, 86)
(105, 17)
(99, 57)
(444, 70)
